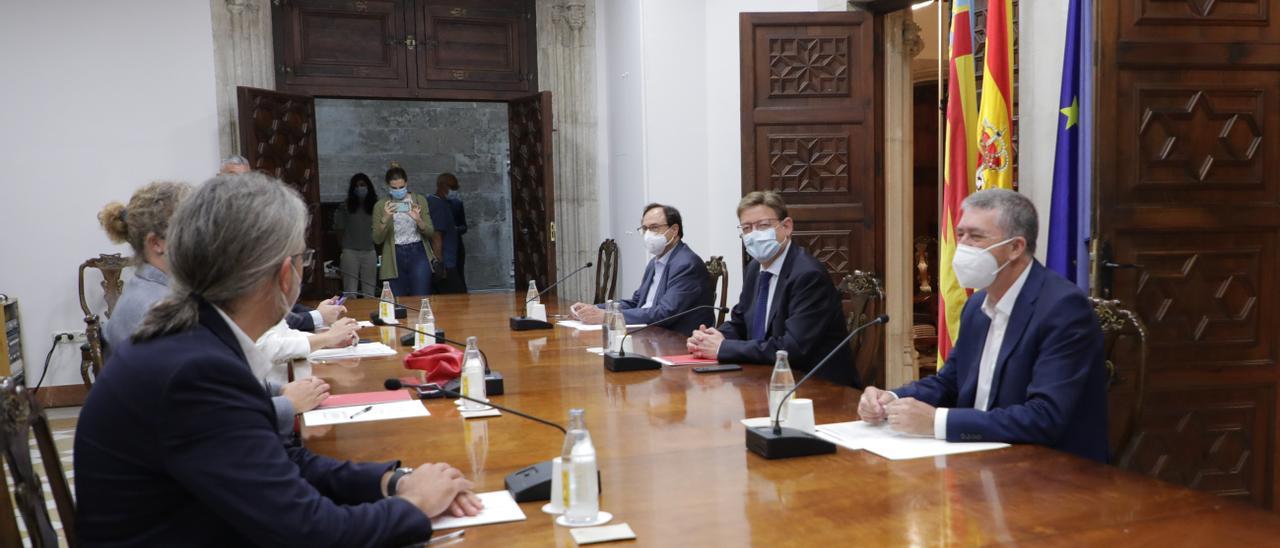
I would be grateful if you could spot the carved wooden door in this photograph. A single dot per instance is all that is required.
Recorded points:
(1189, 217)
(477, 44)
(278, 136)
(532, 189)
(811, 117)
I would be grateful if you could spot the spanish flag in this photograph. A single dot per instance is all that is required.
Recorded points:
(960, 165)
(994, 131)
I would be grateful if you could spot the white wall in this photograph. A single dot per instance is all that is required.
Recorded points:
(101, 98)
(1039, 87)
(669, 99)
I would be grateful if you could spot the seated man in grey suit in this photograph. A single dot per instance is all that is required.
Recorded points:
(675, 280)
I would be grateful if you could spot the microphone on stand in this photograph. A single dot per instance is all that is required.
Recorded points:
(525, 323)
(620, 361)
(493, 383)
(776, 442)
(400, 308)
(527, 484)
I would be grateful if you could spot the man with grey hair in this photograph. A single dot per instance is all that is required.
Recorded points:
(234, 164)
(1027, 366)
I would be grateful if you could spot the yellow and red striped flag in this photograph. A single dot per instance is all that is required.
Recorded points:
(994, 131)
(959, 169)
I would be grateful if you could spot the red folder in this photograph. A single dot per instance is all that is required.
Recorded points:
(363, 398)
(687, 359)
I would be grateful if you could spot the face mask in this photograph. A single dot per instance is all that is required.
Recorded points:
(453, 195)
(287, 302)
(976, 267)
(361, 192)
(655, 243)
(762, 244)
(399, 193)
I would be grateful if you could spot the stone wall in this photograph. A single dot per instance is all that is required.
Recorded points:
(427, 138)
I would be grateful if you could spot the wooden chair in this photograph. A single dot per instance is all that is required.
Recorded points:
(719, 272)
(1124, 335)
(864, 292)
(924, 324)
(606, 271)
(91, 353)
(20, 415)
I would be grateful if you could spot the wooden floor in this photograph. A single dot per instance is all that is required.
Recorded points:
(674, 466)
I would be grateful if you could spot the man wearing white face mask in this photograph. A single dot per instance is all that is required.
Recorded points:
(787, 301)
(675, 280)
(1027, 366)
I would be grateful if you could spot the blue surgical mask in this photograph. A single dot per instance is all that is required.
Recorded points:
(361, 192)
(453, 195)
(762, 244)
(399, 193)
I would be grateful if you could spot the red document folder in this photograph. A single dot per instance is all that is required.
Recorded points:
(687, 359)
(363, 398)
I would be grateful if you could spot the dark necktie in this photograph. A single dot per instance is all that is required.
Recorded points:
(759, 316)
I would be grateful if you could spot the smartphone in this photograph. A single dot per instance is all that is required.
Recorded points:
(403, 207)
(717, 368)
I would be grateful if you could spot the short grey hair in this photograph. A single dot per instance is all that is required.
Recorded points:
(1016, 215)
(223, 242)
(235, 160)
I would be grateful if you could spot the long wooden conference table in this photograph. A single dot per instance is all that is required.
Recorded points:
(674, 465)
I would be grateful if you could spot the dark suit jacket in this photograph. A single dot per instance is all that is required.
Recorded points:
(684, 284)
(178, 446)
(805, 319)
(300, 318)
(1049, 386)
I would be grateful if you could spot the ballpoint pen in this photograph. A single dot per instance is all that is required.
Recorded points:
(360, 412)
(445, 538)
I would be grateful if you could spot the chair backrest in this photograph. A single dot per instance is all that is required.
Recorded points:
(1126, 384)
(719, 272)
(112, 267)
(606, 271)
(864, 292)
(20, 415)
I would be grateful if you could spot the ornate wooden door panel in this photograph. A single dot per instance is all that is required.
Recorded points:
(278, 136)
(532, 189)
(341, 43)
(485, 44)
(1189, 96)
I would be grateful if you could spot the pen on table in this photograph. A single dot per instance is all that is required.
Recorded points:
(341, 300)
(456, 534)
(360, 412)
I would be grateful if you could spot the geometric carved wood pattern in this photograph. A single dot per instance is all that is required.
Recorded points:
(532, 189)
(1204, 10)
(817, 66)
(278, 137)
(809, 163)
(829, 247)
(1197, 136)
(1200, 296)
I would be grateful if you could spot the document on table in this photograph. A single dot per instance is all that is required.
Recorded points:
(586, 327)
(364, 323)
(684, 359)
(362, 350)
(892, 445)
(499, 507)
(374, 412)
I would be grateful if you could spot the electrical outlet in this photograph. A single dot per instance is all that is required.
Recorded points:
(71, 335)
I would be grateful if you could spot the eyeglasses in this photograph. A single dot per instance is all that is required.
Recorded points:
(651, 228)
(307, 257)
(762, 224)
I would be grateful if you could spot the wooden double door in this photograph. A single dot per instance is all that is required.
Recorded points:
(1188, 201)
(278, 136)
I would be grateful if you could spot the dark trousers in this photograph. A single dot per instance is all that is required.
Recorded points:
(413, 269)
(452, 283)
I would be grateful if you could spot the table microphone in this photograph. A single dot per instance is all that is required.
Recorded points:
(399, 308)
(620, 361)
(493, 383)
(525, 323)
(776, 442)
(527, 484)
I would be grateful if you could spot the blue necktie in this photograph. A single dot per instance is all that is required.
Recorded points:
(759, 318)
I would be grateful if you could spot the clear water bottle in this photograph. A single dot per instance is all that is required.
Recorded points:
(579, 483)
(426, 326)
(473, 376)
(531, 296)
(780, 384)
(387, 308)
(617, 326)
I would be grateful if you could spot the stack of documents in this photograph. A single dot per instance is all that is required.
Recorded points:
(362, 350)
(499, 507)
(586, 327)
(884, 441)
(365, 407)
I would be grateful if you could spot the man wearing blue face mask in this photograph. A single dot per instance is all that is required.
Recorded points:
(787, 302)
(1027, 366)
(674, 281)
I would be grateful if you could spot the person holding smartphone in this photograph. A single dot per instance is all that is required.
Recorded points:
(403, 229)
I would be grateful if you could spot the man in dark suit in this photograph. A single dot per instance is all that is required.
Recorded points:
(1027, 366)
(178, 445)
(675, 280)
(305, 318)
(787, 302)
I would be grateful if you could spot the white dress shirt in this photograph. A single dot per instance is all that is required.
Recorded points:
(999, 313)
(659, 268)
(259, 364)
(776, 270)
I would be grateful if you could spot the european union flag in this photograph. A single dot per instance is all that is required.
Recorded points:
(1068, 211)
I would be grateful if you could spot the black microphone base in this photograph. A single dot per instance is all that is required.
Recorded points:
(618, 362)
(493, 386)
(534, 483)
(401, 313)
(528, 324)
(790, 443)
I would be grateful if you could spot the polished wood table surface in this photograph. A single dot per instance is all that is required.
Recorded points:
(674, 464)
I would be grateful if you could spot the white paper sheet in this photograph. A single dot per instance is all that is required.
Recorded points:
(364, 323)
(362, 350)
(585, 327)
(490, 412)
(379, 412)
(499, 507)
(754, 422)
(883, 441)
